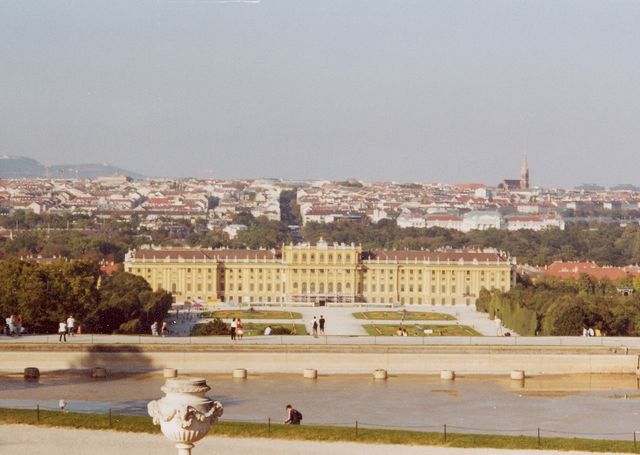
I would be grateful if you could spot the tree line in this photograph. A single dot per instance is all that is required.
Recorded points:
(604, 243)
(550, 306)
(45, 294)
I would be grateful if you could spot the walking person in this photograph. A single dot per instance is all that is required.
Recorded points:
(154, 329)
(18, 327)
(294, 417)
(11, 325)
(234, 326)
(321, 323)
(164, 330)
(71, 325)
(62, 330)
(239, 329)
(314, 327)
(498, 323)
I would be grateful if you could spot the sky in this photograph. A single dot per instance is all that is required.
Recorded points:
(399, 90)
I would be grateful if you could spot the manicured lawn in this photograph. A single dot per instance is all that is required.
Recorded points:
(252, 329)
(143, 424)
(408, 316)
(418, 330)
(248, 314)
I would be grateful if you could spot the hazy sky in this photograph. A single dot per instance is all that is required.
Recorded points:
(403, 90)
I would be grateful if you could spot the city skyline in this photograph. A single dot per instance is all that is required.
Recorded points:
(416, 91)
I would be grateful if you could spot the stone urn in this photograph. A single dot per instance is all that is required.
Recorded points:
(185, 414)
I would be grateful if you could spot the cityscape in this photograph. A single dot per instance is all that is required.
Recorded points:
(318, 227)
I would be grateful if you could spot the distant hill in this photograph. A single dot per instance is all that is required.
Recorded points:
(15, 167)
(91, 170)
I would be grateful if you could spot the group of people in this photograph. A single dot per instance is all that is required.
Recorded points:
(402, 332)
(13, 325)
(590, 332)
(318, 324)
(164, 329)
(237, 329)
(67, 327)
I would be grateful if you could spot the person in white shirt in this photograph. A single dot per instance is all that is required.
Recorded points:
(71, 323)
(62, 330)
(267, 330)
(234, 326)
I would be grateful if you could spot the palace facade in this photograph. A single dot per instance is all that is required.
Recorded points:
(324, 273)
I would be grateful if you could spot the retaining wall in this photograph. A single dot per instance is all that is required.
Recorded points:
(326, 359)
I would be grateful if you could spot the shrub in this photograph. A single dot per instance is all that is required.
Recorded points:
(215, 327)
(279, 330)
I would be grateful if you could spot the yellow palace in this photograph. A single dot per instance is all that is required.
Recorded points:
(324, 273)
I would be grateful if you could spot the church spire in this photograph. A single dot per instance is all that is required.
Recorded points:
(524, 174)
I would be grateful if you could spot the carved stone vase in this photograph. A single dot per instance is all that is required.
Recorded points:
(185, 414)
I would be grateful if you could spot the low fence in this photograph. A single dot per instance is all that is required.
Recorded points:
(447, 431)
(622, 343)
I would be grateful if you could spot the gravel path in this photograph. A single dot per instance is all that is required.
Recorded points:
(21, 439)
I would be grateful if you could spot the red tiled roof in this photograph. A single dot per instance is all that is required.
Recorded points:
(109, 269)
(566, 270)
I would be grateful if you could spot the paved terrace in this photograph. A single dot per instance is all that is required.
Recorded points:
(340, 320)
(61, 441)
